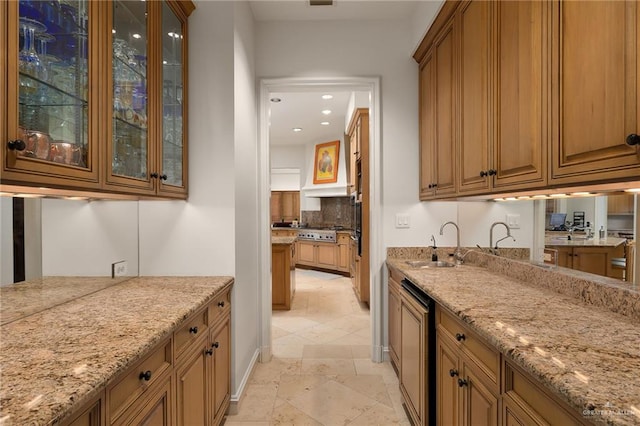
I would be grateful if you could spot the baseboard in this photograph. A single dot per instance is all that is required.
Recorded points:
(236, 397)
(385, 354)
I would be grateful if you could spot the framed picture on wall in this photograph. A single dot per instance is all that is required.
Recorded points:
(326, 162)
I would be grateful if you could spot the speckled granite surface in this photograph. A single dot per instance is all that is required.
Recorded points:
(52, 361)
(583, 242)
(283, 240)
(587, 355)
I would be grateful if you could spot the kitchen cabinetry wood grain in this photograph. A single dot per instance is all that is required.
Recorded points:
(595, 107)
(283, 277)
(595, 260)
(620, 204)
(394, 321)
(91, 135)
(92, 414)
(285, 206)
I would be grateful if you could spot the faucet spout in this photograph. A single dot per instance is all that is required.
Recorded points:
(456, 253)
(491, 246)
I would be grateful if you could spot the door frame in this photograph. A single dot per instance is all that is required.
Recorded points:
(376, 303)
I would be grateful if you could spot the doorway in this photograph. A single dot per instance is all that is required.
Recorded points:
(372, 86)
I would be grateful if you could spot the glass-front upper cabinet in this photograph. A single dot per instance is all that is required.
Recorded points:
(93, 95)
(49, 67)
(147, 150)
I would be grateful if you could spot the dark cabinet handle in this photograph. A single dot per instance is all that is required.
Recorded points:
(460, 337)
(208, 352)
(17, 145)
(221, 304)
(453, 373)
(163, 177)
(633, 139)
(193, 330)
(154, 175)
(483, 173)
(215, 345)
(492, 172)
(462, 382)
(145, 375)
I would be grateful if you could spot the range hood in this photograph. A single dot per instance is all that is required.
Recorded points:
(338, 189)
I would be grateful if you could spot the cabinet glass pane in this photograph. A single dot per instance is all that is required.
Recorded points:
(172, 39)
(53, 78)
(129, 61)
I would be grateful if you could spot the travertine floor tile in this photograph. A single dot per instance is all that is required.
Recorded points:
(321, 372)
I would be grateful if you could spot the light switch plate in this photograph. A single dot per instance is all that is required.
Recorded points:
(513, 220)
(402, 221)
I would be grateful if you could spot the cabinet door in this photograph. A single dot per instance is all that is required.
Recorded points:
(326, 255)
(156, 411)
(50, 128)
(447, 389)
(221, 384)
(172, 170)
(394, 322)
(306, 252)
(91, 415)
(413, 359)
(276, 206)
(565, 256)
(595, 106)
(445, 110)
(473, 136)
(191, 388)
(521, 94)
(480, 406)
(427, 126)
(596, 260)
(130, 150)
(290, 205)
(620, 204)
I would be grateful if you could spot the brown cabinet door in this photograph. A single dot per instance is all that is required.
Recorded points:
(343, 257)
(191, 388)
(427, 126)
(306, 253)
(480, 406)
(596, 98)
(473, 87)
(276, 206)
(565, 256)
(221, 385)
(594, 260)
(620, 204)
(326, 255)
(413, 358)
(521, 94)
(445, 112)
(447, 389)
(156, 411)
(394, 322)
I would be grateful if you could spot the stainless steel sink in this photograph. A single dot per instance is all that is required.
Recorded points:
(429, 264)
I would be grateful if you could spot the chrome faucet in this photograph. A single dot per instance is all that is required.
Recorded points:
(493, 248)
(456, 253)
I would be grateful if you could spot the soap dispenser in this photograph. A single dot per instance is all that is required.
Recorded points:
(601, 232)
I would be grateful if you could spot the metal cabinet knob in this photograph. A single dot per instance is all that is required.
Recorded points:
(633, 139)
(16, 145)
(462, 382)
(145, 375)
(460, 337)
(193, 330)
(453, 372)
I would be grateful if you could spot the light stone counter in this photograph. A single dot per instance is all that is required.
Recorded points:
(582, 241)
(283, 240)
(587, 355)
(53, 361)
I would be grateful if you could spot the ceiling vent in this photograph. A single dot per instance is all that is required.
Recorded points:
(320, 2)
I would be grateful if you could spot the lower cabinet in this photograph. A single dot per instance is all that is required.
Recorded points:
(283, 277)
(319, 255)
(191, 386)
(595, 260)
(394, 323)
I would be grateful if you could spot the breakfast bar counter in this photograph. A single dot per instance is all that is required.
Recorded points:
(54, 359)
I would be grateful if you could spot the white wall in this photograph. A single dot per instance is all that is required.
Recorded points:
(289, 157)
(421, 20)
(83, 238)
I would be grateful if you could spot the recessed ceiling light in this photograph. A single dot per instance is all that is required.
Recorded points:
(539, 196)
(326, 111)
(523, 197)
(510, 199)
(632, 190)
(136, 36)
(275, 100)
(325, 123)
(297, 129)
(580, 193)
(558, 195)
(327, 96)
(498, 199)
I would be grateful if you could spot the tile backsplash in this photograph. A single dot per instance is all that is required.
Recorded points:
(334, 211)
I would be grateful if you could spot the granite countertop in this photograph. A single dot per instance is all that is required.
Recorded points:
(586, 355)
(582, 241)
(55, 360)
(283, 240)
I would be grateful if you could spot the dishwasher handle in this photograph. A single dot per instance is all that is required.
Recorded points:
(418, 294)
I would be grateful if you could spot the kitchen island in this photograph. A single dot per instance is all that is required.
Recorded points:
(576, 337)
(57, 358)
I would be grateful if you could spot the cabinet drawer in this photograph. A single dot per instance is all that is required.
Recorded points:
(196, 326)
(539, 406)
(137, 380)
(344, 238)
(220, 307)
(479, 352)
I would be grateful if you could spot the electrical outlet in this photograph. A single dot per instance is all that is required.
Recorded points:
(119, 269)
(402, 221)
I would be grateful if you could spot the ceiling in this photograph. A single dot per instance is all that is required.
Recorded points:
(303, 109)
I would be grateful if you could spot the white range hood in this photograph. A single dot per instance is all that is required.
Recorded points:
(338, 189)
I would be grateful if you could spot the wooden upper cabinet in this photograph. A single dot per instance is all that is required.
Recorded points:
(521, 94)
(285, 206)
(427, 127)
(445, 109)
(95, 96)
(596, 93)
(473, 19)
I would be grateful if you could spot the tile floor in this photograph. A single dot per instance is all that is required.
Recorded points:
(321, 372)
